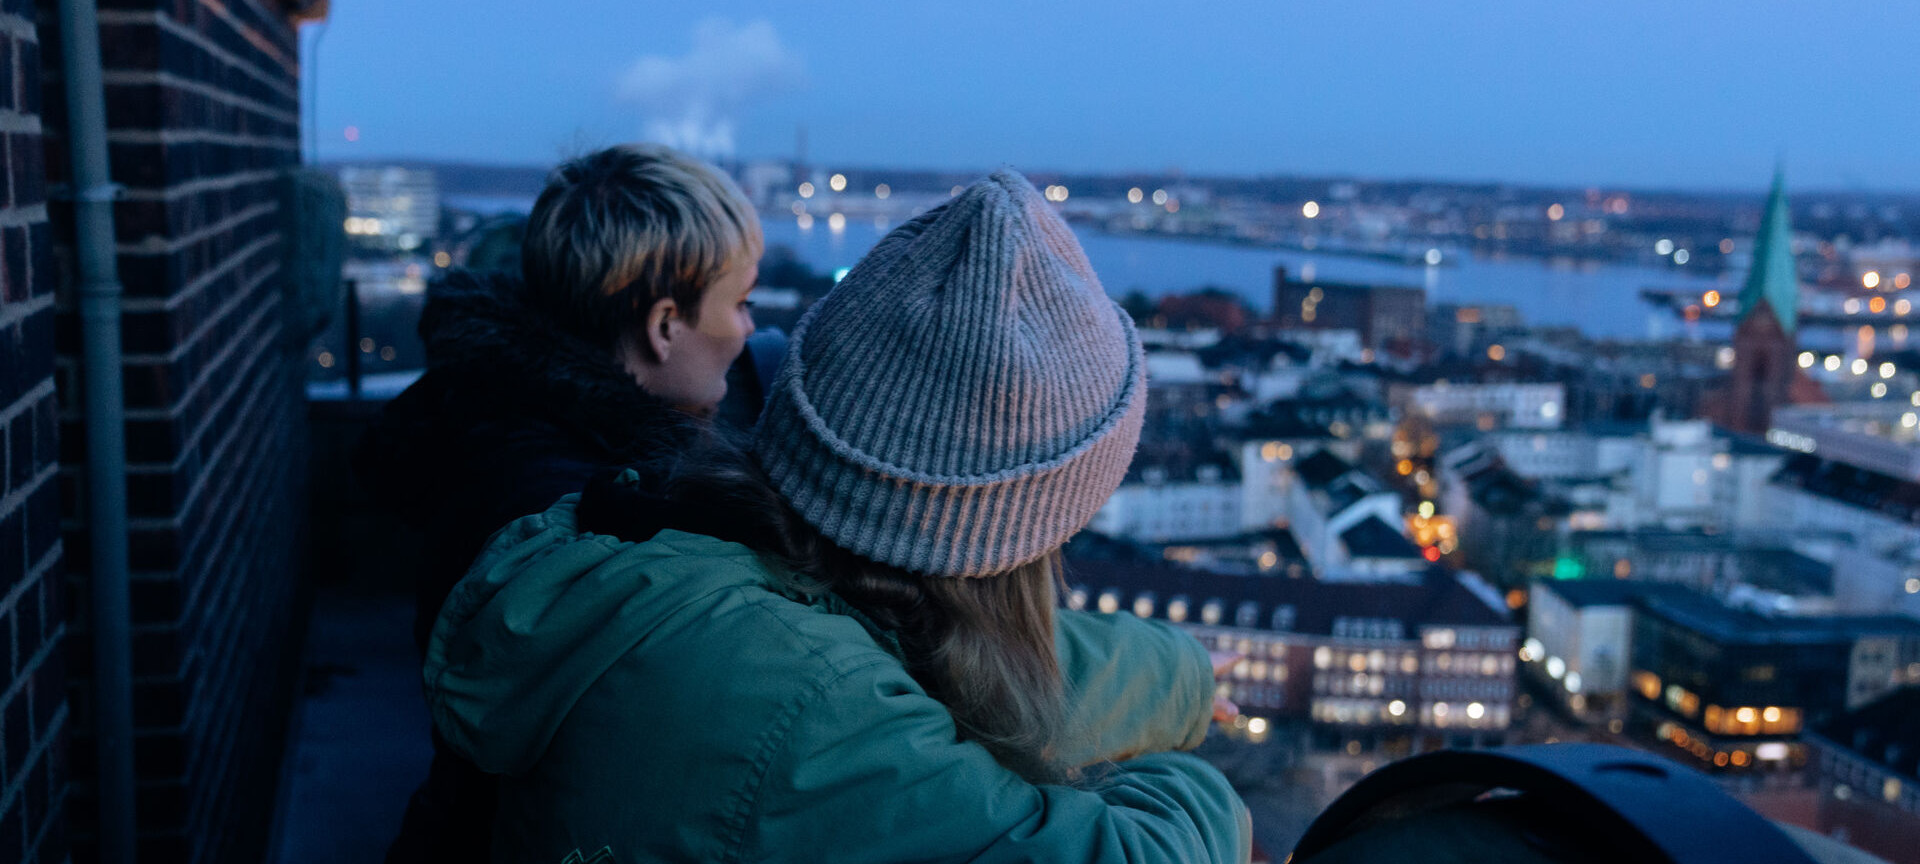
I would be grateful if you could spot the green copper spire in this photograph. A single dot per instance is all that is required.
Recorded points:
(1773, 277)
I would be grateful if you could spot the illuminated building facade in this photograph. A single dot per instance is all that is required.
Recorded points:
(1389, 318)
(1737, 689)
(1394, 666)
(391, 208)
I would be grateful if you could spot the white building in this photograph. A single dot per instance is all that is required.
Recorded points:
(1347, 525)
(1157, 506)
(391, 207)
(1486, 406)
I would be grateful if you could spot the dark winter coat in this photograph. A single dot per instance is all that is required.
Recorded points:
(511, 414)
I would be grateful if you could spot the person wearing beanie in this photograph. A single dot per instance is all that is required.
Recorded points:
(855, 615)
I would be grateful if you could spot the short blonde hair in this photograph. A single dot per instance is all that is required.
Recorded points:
(616, 231)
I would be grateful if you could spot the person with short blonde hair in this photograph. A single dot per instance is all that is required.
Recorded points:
(626, 243)
(636, 264)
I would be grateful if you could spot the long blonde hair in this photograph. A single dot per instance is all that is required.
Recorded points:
(983, 646)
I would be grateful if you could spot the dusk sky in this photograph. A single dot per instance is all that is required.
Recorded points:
(1702, 94)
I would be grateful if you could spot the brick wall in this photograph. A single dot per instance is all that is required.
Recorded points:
(203, 113)
(33, 710)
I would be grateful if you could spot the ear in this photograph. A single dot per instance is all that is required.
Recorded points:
(659, 328)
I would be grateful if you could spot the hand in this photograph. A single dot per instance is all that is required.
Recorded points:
(1224, 711)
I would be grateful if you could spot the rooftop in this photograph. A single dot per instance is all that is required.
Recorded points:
(1319, 470)
(1728, 626)
(1372, 538)
(1852, 485)
(1438, 599)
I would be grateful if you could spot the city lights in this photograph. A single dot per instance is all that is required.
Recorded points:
(1159, 196)
(1859, 366)
(1871, 279)
(1396, 708)
(882, 191)
(1832, 363)
(1556, 212)
(837, 182)
(352, 133)
(1496, 353)
(1433, 257)
(1710, 299)
(1311, 209)
(1807, 359)
(1726, 246)
(1134, 195)
(1886, 370)
(1879, 390)
(1663, 246)
(806, 190)
(1901, 280)
(837, 223)
(1681, 256)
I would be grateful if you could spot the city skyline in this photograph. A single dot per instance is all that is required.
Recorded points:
(1709, 97)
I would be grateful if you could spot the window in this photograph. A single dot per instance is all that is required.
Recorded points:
(1210, 612)
(1282, 618)
(1177, 609)
(1647, 683)
(1143, 605)
(1248, 615)
(1109, 601)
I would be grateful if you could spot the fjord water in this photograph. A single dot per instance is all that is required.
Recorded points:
(1601, 299)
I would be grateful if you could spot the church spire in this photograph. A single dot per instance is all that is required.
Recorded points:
(1773, 277)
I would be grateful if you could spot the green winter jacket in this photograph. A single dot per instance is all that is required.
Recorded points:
(666, 701)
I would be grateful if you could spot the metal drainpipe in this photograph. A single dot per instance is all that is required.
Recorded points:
(105, 422)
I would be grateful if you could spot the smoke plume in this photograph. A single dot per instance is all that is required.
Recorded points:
(693, 101)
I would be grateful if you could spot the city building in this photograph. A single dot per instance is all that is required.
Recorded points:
(1879, 436)
(391, 207)
(1469, 331)
(1403, 667)
(1347, 524)
(1867, 772)
(1388, 318)
(1579, 642)
(1765, 376)
(1484, 406)
(1737, 689)
(1174, 497)
(1509, 528)
(1273, 437)
(1864, 523)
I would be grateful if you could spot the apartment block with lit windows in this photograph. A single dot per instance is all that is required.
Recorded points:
(1396, 666)
(1737, 690)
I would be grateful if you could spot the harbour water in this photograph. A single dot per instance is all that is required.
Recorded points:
(1602, 300)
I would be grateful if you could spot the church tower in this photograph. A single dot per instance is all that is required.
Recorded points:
(1763, 342)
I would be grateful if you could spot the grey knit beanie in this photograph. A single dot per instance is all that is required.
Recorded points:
(966, 398)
